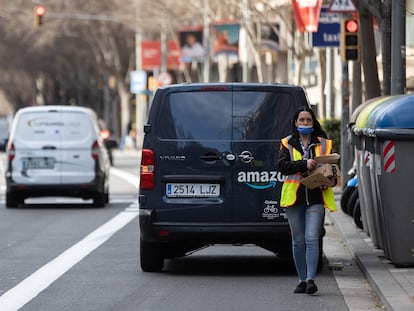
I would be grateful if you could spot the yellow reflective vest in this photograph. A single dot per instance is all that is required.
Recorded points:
(292, 182)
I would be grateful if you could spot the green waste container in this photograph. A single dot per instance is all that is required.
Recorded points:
(356, 142)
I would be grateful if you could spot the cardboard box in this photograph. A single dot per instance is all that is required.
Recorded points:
(330, 158)
(321, 176)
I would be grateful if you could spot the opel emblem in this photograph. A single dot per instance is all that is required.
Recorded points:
(246, 156)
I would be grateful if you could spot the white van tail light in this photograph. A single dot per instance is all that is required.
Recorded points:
(95, 150)
(11, 151)
(147, 180)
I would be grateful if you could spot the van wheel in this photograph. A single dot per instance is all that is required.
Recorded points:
(99, 199)
(11, 200)
(151, 257)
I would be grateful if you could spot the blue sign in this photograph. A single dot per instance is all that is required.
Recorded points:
(329, 30)
(138, 81)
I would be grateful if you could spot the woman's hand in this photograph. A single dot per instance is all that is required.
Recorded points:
(331, 184)
(311, 164)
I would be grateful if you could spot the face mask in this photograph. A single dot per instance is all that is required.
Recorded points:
(305, 130)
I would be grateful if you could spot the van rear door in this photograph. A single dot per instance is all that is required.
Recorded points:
(37, 145)
(261, 117)
(194, 132)
(77, 137)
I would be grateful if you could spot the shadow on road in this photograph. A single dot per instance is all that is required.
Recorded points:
(230, 265)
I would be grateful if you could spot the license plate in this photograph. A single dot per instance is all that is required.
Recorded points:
(187, 190)
(38, 163)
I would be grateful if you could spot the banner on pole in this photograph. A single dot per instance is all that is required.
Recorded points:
(307, 14)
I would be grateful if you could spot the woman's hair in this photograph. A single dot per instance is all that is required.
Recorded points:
(317, 128)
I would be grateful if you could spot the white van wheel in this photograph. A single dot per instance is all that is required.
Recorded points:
(11, 200)
(99, 199)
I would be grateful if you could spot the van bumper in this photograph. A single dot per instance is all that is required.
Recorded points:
(212, 233)
(85, 190)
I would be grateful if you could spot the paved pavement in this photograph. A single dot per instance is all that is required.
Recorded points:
(394, 286)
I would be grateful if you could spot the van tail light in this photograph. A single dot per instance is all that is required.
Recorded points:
(95, 150)
(11, 151)
(147, 178)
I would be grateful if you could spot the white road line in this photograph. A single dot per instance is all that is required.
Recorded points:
(33, 285)
(131, 178)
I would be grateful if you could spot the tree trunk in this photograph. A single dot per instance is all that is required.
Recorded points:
(368, 55)
(124, 102)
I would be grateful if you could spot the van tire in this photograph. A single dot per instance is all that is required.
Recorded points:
(99, 199)
(151, 257)
(11, 200)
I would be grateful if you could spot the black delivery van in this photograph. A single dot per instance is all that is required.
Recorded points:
(209, 170)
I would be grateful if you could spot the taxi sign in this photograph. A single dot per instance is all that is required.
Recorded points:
(342, 6)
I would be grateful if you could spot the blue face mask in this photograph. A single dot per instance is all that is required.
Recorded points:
(305, 130)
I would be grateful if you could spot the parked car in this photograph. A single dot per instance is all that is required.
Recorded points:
(209, 170)
(56, 151)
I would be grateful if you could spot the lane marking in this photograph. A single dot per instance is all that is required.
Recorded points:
(131, 178)
(29, 288)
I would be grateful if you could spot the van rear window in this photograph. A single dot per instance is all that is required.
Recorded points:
(222, 115)
(262, 115)
(54, 126)
(197, 116)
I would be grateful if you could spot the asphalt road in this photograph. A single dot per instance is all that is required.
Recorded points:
(61, 254)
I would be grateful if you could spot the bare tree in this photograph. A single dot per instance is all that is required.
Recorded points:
(381, 10)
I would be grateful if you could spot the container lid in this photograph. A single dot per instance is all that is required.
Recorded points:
(358, 109)
(398, 114)
(360, 123)
(372, 117)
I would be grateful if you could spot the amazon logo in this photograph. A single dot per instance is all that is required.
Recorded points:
(260, 179)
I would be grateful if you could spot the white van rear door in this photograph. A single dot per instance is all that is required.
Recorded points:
(37, 146)
(78, 135)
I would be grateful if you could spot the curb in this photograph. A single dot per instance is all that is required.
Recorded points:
(367, 257)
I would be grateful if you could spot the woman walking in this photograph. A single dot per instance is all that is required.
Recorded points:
(305, 208)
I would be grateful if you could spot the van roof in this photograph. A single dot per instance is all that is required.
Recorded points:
(231, 85)
(61, 108)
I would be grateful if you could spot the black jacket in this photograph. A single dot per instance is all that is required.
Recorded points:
(288, 167)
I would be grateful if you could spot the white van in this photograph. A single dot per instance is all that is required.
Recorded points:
(56, 151)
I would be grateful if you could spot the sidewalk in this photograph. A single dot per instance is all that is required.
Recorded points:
(394, 286)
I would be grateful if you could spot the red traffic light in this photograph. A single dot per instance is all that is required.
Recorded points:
(351, 25)
(40, 10)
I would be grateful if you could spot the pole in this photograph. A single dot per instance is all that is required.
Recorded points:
(398, 58)
(245, 62)
(140, 104)
(345, 147)
(206, 41)
(329, 108)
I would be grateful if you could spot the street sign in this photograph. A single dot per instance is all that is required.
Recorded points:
(342, 6)
(138, 81)
(329, 29)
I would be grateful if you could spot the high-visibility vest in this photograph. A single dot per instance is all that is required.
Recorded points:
(292, 182)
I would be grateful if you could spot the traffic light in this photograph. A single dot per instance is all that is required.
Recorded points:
(39, 12)
(350, 41)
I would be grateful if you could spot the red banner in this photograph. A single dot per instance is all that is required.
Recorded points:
(151, 55)
(307, 14)
(173, 55)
